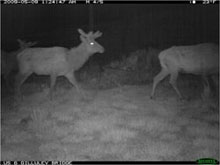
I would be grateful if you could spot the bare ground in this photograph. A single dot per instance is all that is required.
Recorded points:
(116, 124)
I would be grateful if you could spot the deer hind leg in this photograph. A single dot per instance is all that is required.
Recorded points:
(70, 76)
(163, 73)
(20, 78)
(53, 78)
(206, 87)
(214, 85)
(173, 79)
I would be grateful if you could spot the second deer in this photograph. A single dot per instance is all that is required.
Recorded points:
(57, 61)
(9, 60)
(201, 59)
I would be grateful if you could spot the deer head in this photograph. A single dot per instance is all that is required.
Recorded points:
(89, 40)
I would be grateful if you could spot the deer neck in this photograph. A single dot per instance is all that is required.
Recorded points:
(77, 56)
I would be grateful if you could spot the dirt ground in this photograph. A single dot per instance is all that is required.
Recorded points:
(121, 124)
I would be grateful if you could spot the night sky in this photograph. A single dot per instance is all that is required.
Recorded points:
(125, 27)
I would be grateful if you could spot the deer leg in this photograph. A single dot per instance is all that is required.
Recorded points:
(173, 78)
(70, 76)
(53, 78)
(20, 78)
(214, 80)
(205, 79)
(206, 89)
(163, 73)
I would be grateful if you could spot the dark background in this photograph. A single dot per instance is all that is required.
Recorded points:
(125, 27)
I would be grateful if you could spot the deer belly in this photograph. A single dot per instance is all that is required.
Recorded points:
(199, 70)
(58, 68)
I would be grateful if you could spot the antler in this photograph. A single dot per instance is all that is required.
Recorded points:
(82, 32)
(29, 44)
(90, 34)
(24, 44)
(97, 34)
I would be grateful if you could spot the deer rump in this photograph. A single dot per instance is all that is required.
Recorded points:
(201, 59)
(44, 61)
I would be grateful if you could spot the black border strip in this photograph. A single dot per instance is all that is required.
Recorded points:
(91, 162)
(60, 2)
(96, 162)
(137, 162)
(148, 1)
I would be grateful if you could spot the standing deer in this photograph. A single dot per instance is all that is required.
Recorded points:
(9, 60)
(201, 59)
(57, 61)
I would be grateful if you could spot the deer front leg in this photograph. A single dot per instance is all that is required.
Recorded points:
(70, 76)
(19, 80)
(53, 78)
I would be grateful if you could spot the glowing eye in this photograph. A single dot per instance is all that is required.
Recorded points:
(91, 43)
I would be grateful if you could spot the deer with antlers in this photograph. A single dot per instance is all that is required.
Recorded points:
(9, 60)
(57, 61)
(201, 59)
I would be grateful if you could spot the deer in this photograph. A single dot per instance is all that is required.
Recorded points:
(9, 59)
(57, 61)
(201, 59)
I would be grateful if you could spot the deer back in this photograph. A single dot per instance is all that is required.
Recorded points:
(197, 59)
(43, 61)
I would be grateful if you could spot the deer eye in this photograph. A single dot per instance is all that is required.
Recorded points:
(91, 43)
